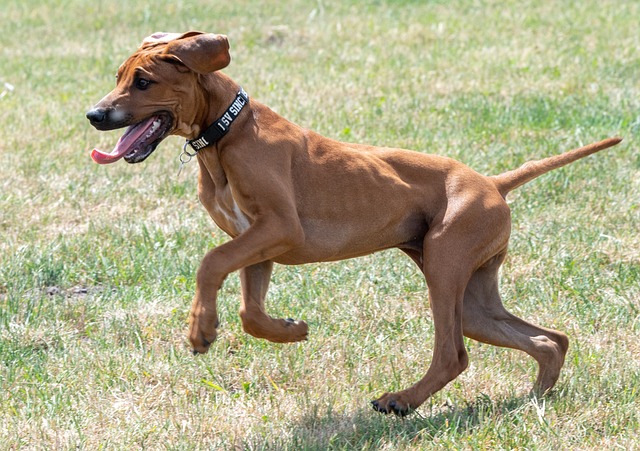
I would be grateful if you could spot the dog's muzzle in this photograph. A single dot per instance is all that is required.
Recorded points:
(139, 139)
(105, 119)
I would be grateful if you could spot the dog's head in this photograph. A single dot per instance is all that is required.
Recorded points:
(153, 86)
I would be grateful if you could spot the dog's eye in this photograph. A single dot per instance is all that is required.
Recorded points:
(142, 83)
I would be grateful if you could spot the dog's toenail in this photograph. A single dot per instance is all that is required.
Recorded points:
(290, 320)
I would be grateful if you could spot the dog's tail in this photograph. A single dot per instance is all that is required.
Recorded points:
(510, 180)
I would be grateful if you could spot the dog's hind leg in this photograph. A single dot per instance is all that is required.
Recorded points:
(474, 227)
(485, 319)
(447, 274)
(255, 321)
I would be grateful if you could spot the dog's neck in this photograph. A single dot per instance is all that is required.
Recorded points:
(218, 92)
(221, 126)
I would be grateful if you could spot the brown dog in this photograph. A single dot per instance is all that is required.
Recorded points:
(288, 195)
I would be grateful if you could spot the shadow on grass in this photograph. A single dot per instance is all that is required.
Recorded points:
(364, 429)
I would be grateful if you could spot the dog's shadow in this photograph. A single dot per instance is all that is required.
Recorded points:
(370, 430)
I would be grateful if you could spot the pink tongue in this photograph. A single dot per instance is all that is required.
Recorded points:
(125, 143)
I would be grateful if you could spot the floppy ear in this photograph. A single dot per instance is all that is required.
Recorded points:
(200, 52)
(160, 37)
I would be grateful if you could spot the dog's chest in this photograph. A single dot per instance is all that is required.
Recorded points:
(216, 195)
(226, 213)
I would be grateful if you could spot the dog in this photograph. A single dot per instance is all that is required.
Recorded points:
(287, 195)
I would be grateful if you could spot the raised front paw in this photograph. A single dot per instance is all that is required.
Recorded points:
(276, 330)
(296, 330)
(392, 403)
(202, 332)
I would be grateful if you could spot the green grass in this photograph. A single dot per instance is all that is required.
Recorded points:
(97, 264)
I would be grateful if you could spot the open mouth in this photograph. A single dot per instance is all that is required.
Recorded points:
(138, 141)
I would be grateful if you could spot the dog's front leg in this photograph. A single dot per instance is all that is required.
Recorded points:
(203, 320)
(264, 240)
(255, 320)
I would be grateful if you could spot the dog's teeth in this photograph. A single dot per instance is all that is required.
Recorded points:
(154, 127)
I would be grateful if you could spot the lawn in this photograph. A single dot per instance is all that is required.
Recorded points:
(97, 263)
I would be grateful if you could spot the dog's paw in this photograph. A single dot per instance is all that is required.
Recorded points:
(301, 328)
(201, 337)
(286, 331)
(391, 403)
(200, 344)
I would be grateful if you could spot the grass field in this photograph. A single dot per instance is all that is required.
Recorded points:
(97, 264)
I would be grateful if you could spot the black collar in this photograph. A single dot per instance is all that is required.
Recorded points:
(219, 128)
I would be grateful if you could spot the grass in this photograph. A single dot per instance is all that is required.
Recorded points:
(97, 263)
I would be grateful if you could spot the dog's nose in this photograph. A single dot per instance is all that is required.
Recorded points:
(96, 115)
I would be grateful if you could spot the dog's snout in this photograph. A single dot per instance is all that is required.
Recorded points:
(107, 118)
(96, 115)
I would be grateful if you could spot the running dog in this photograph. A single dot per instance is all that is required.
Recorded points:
(288, 195)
